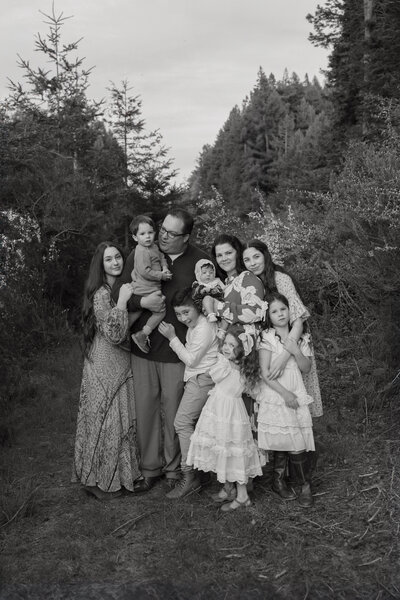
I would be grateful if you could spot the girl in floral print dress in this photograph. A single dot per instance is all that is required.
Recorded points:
(105, 457)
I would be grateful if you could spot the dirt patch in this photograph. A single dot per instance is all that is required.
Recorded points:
(57, 542)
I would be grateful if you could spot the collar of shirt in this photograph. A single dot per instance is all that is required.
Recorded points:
(174, 256)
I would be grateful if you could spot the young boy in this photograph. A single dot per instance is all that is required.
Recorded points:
(198, 354)
(150, 268)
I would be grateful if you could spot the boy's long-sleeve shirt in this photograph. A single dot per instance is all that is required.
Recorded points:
(200, 350)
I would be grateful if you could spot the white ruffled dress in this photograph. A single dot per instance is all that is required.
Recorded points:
(222, 441)
(279, 427)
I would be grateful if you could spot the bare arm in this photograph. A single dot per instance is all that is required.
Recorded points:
(303, 362)
(279, 363)
(289, 397)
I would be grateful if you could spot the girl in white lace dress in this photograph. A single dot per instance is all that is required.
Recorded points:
(284, 419)
(222, 441)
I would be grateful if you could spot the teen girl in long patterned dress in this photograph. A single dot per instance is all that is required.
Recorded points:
(105, 457)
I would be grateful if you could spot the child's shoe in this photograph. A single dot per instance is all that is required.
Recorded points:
(278, 482)
(235, 504)
(142, 341)
(301, 468)
(225, 494)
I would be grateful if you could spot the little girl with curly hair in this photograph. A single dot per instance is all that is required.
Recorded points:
(222, 441)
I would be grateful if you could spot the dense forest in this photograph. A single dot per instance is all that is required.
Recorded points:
(311, 168)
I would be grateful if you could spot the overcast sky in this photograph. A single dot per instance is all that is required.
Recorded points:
(190, 61)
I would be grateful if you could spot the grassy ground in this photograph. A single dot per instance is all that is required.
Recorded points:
(57, 542)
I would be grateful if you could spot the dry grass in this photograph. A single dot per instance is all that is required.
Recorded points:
(56, 542)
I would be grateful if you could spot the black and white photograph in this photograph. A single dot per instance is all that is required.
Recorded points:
(199, 300)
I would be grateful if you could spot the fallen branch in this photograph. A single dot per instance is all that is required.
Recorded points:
(369, 474)
(372, 487)
(371, 562)
(280, 574)
(374, 515)
(388, 591)
(132, 521)
(22, 506)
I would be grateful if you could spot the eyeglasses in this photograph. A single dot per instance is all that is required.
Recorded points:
(170, 234)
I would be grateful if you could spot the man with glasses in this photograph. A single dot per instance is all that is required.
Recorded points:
(158, 375)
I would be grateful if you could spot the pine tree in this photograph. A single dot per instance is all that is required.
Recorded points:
(148, 170)
(60, 164)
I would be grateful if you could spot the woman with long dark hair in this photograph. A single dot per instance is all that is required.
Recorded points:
(258, 260)
(244, 293)
(105, 459)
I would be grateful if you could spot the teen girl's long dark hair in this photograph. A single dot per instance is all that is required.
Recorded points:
(232, 240)
(95, 280)
(268, 276)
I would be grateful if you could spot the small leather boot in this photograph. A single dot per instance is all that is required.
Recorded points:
(301, 469)
(278, 483)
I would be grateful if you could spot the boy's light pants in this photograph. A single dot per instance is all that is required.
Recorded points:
(193, 399)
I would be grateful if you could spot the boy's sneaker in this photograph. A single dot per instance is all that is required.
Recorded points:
(142, 341)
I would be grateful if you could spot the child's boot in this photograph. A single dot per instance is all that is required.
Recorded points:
(190, 482)
(302, 472)
(278, 483)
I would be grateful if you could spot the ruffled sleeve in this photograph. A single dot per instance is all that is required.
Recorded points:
(285, 286)
(244, 300)
(221, 369)
(268, 341)
(111, 321)
(305, 345)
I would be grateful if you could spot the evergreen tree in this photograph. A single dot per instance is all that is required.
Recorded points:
(148, 172)
(59, 163)
(364, 63)
(277, 141)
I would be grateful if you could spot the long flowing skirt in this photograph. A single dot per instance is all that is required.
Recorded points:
(105, 444)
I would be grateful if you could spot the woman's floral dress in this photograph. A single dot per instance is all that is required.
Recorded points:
(243, 301)
(105, 444)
